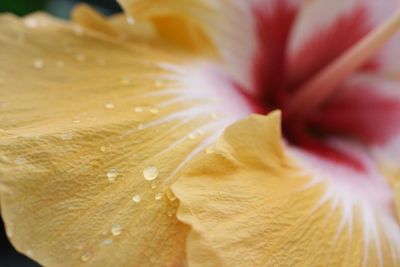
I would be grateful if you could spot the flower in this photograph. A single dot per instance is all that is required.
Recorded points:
(116, 118)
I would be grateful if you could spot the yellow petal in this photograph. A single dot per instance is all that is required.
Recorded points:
(177, 28)
(251, 205)
(224, 30)
(142, 30)
(92, 134)
(118, 26)
(89, 18)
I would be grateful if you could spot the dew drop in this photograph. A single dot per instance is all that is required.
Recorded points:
(150, 173)
(170, 195)
(78, 30)
(210, 149)
(154, 110)
(110, 105)
(158, 196)
(192, 136)
(80, 57)
(20, 160)
(66, 136)
(77, 121)
(107, 242)
(86, 256)
(136, 198)
(60, 64)
(141, 126)
(38, 63)
(138, 109)
(31, 23)
(29, 253)
(116, 229)
(170, 212)
(9, 232)
(112, 174)
(103, 149)
(130, 20)
(153, 259)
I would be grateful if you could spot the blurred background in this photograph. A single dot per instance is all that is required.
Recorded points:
(60, 8)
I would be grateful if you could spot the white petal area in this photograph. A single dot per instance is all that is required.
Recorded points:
(365, 196)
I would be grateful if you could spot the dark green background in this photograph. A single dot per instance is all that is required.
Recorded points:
(61, 8)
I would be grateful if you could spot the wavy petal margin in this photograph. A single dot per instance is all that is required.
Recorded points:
(249, 204)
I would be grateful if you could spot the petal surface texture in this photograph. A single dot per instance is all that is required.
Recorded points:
(249, 204)
(92, 134)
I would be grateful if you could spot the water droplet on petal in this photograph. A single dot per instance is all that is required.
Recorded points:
(103, 149)
(20, 160)
(77, 121)
(60, 64)
(112, 174)
(154, 110)
(170, 212)
(136, 198)
(192, 136)
(130, 20)
(86, 256)
(158, 196)
(110, 105)
(141, 126)
(116, 229)
(29, 253)
(138, 109)
(38, 63)
(78, 30)
(66, 136)
(153, 259)
(150, 173)
(9, 232)
(170, 195)
(80, 57)
(107, 242)
(210, 149)
(31, 22)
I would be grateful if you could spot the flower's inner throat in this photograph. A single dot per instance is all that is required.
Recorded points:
(324, 107)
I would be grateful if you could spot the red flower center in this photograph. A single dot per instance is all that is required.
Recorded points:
(312, 88)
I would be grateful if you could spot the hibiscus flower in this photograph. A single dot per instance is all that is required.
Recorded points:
(129, 141)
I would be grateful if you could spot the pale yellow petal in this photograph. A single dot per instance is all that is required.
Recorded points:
(225, 30)
(141, 31)
(249, 204)
(89, 18)
(92, 134)
(118, 26)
